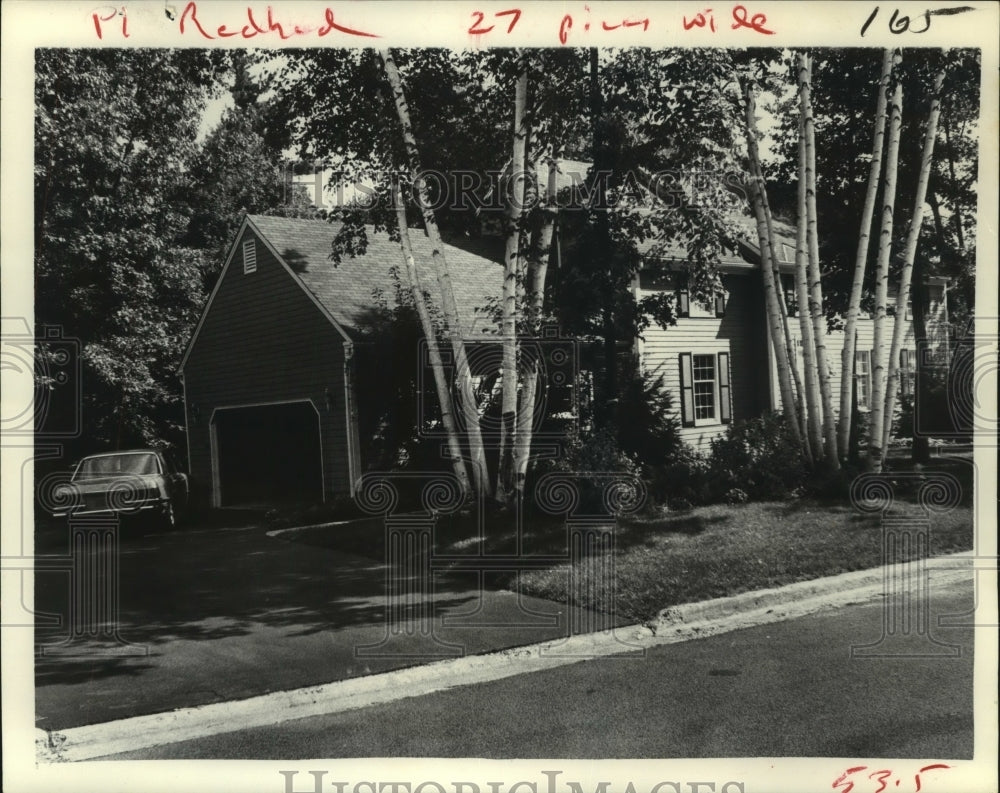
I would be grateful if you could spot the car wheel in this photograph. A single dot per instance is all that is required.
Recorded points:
(169, 516)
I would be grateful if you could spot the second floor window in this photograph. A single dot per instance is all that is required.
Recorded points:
(907, 372)
(863, 378)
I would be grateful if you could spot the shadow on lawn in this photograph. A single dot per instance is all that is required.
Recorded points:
(496, 534)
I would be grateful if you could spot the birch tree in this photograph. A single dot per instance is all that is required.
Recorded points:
(877, 415)
(777, 318)
(513, 275)
(854, 302)
(913, 235)
(816, 312)
(463, 375)
(538, 261)
(441, 384)
(813, 402)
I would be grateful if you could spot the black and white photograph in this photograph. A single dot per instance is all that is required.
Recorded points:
(554, 397)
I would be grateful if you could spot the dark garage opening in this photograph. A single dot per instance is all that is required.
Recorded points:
(269, 453)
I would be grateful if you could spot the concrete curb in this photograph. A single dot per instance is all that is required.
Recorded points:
(673, 625)
(858, 583)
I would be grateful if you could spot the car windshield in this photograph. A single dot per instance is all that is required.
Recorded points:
(117, 465)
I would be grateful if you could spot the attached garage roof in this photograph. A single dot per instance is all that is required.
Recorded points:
(347, 290)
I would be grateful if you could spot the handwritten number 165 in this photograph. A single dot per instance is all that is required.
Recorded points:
(900, 24)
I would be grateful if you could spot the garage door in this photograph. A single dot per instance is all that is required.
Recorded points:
(269, 453)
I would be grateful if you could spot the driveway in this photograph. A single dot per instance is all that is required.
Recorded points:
(215, 613)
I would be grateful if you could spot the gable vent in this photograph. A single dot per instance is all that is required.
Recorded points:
(249, 257)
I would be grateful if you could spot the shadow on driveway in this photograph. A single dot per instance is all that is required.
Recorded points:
(221, 613)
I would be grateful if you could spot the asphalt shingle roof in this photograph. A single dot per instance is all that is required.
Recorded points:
(347, 290)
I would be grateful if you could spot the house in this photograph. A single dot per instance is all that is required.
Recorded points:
(270, 402)
(717, 360)
(270, 388)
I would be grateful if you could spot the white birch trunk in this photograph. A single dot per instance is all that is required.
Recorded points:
(829, 454)
(434, 353)
(909, 253)
(771, 305)
(757, 174)
(449, 308)
(813, 401)
(854, 302)
(877, 415)
(536, 295)
(512, 273)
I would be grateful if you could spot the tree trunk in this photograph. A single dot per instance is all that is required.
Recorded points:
(854, 302)
(434, 353)
(829, 454)
(449, 307)
(512, 275)
(602, 247)
(877, 415)
(920, 450)
(538, 267)
(909, 254)
(762, 210)
(774, 322)
(813, 401)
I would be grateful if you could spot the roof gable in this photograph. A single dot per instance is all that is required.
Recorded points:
(347, 290)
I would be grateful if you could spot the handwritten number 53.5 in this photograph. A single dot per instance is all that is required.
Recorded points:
(881, 776)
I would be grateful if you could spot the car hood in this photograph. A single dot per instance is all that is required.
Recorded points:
(101, 483)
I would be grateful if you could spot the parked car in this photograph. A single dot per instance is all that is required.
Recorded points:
(125, 483)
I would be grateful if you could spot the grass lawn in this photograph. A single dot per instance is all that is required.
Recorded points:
(707, 552)
(723, 550)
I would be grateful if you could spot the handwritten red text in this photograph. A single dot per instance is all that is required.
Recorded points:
(741, 19)
(567, 23)
(107, 16)
(878, 780)
(260, 25)
(477, 29)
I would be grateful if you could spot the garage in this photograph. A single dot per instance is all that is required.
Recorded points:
(267, 454)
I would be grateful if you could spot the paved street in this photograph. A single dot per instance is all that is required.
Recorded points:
(786, 689)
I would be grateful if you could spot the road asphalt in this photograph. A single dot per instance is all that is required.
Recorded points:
(788, 689)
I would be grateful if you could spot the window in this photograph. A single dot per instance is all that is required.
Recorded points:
(686, 309)
(907, 372)
(791, 297)
(683, 298)
(249, 257)
(863, 378)
(705, 392)
(704, 387)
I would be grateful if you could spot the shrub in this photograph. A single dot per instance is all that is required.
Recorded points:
(649, 430)
(737, 496)
(759, 457)
(593, 451)
(649, 434)
(680, 483)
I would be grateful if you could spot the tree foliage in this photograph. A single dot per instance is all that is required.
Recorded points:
(132, 212)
